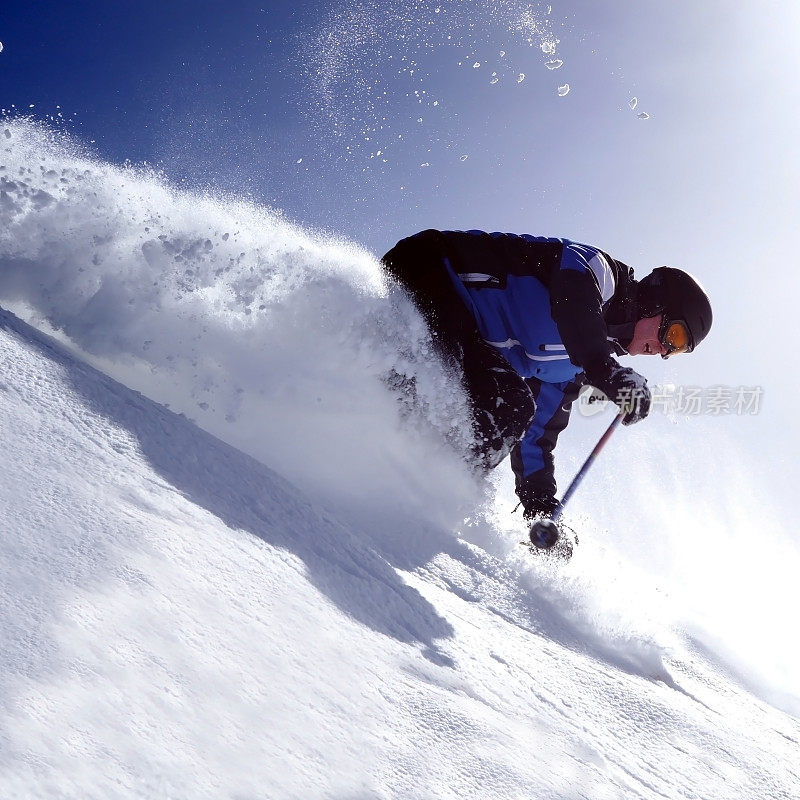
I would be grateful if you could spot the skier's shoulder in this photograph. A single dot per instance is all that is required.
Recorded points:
(607, 273)
(579, 255)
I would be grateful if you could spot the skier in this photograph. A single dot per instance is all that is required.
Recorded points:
(527, 321)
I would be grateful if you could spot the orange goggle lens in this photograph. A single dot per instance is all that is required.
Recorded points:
(676, 338)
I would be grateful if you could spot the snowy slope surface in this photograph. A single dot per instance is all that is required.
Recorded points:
(180, 621)
(321, 602)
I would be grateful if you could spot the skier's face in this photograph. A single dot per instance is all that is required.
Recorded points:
(645, 338)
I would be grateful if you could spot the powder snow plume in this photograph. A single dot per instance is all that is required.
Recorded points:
(273, 339)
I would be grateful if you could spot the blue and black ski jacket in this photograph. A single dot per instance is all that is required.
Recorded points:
(556, 310)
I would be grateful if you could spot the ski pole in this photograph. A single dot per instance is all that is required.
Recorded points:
(544, 533)
(585, 468)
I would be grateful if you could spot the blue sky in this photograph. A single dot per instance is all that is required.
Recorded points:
(314, 109)
(228, 95)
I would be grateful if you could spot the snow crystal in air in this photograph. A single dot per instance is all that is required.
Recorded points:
(556, 63)
(419, 119)
(425, 164)
(633, 102)
(464, 158)
(354, 84)
(643, 115)
(1, 47)
(299, 160)
(563, 90)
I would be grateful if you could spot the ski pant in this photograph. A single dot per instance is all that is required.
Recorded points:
(501, 402)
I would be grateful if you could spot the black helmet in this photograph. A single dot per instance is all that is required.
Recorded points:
(678, 296)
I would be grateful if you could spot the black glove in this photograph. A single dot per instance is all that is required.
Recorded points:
(537, 507)
(623, 386)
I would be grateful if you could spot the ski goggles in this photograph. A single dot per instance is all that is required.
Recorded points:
(675, 337)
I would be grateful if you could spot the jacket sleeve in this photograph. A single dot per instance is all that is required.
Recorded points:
(532, 457)
(582, 283)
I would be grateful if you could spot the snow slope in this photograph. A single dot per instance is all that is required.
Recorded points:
(180, 621)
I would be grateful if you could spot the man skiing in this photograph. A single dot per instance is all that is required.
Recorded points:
(527, 321)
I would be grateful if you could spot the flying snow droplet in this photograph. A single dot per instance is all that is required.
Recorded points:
(425, 164)
(476, 65)
(494, 80)
(420, 119)
(521, 77)
(556, 63)
(643, 115)
(633, 102)
(563, 91)
(548, 47)
(299, 160)
(464, 158)
(502, 53)
(1, 47)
